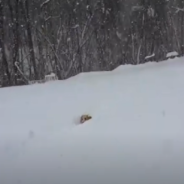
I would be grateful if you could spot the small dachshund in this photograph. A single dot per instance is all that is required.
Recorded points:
(84, 118)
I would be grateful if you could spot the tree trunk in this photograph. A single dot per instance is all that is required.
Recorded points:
(29, 35)
(15, 22)
(5, 69)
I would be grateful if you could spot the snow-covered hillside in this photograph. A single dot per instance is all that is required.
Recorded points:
(136, 135)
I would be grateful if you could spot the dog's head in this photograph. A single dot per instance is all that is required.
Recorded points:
(84, 118)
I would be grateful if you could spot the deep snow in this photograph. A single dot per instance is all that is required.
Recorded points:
(136, 134)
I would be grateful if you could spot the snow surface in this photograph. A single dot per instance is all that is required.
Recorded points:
(51, 77)
(148, 57)
(171, 54)
(135, 136)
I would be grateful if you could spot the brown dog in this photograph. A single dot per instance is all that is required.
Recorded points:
(84, 118)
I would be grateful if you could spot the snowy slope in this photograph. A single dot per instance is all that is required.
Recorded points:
(136, 134)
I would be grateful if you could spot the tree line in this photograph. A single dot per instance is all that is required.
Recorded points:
(67, 37)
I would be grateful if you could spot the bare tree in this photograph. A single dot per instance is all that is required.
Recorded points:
(25, 7)
(72, 36)
(5, 68)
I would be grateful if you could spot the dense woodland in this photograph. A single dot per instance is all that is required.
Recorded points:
(67, 37)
